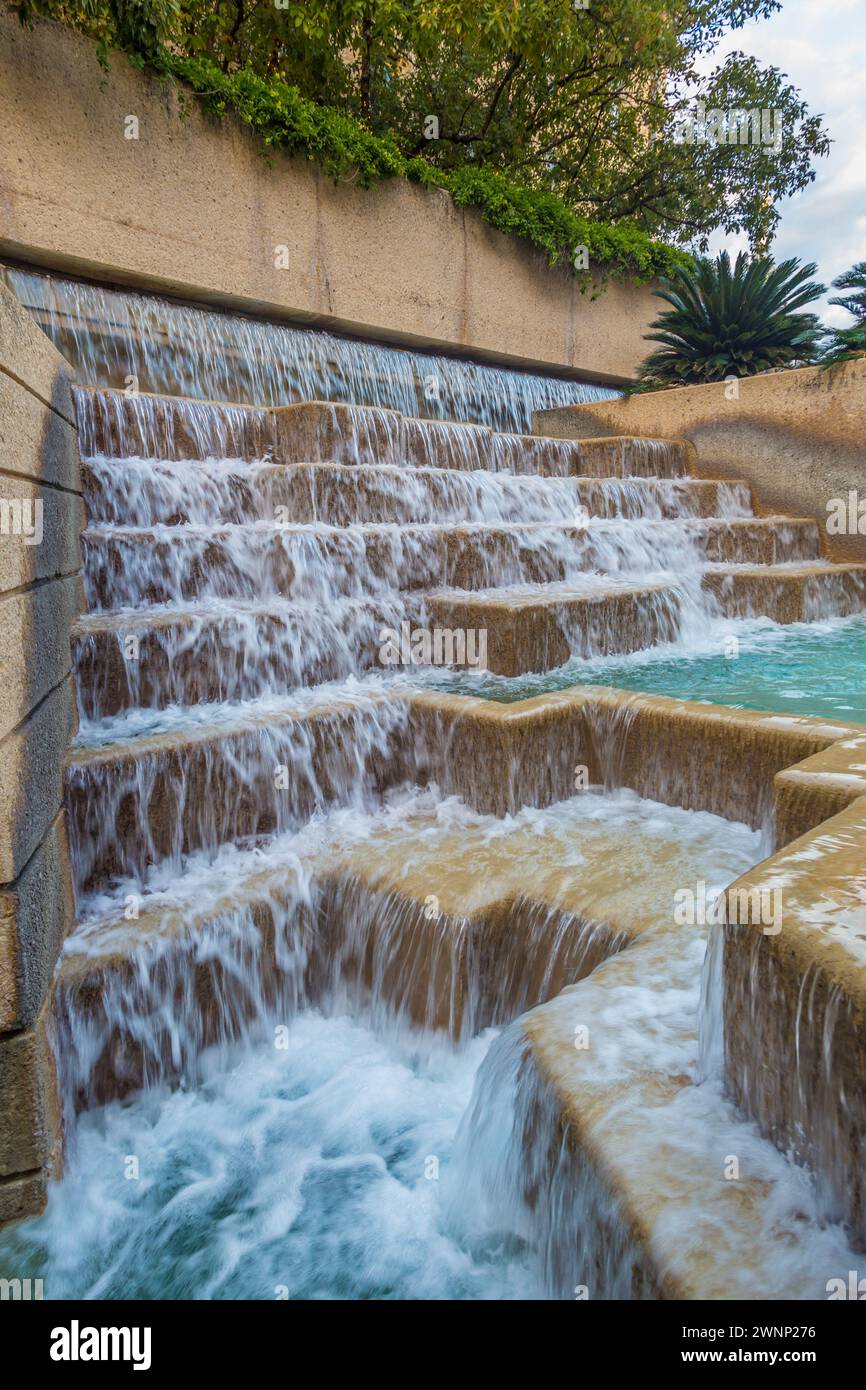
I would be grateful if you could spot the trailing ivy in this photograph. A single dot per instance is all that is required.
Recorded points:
(283, 119)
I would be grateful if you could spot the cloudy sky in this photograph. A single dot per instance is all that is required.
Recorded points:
(821, 45)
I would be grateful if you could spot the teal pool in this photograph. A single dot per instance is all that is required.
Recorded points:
(815, 669)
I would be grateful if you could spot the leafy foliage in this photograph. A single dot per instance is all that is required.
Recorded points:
(578, 102)
(847, 344)
(343, 147)
(732, 322)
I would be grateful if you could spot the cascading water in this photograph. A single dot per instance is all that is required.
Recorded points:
(294, 949)
(180, 351)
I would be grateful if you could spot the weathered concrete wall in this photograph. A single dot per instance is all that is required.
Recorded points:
(41, 514)
(798, 437)
(192, 208)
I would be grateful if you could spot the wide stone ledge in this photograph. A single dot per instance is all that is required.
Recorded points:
(633, 1156)
(820, 786)
(500, 757)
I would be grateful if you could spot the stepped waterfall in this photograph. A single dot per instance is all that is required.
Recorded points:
(376, 988)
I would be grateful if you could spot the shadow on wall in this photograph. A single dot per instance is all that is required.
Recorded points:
(41, 516)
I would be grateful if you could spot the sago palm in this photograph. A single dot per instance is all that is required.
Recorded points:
(848, 343)
(732, 322)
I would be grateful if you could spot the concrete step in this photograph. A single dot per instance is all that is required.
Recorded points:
(793, 593)
(655, 1186)
(316, 430)
(136, 567)
(140, 789)
(230, 651)
(436, 918)
(151, 659)
(171, 493)
(542, 627)
(539, 628)
(793, 973)
(152, 790)
(144, 425)
(118, 424)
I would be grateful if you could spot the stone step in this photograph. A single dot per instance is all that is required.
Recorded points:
(117, 424)
(154, 790)
(313, 431)
(436, 918)
(818, 787)
(153, 658)
(540, 628)
(794, 980)
(168, 493)
(654, 1186)
(140, 424)
(140, 790)
(791, 593)
(137, 567)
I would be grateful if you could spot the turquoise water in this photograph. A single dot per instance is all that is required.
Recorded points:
(815, 669)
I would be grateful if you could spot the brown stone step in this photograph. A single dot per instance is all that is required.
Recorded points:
(138, 799)
(155, 658)
(794, 971)
(153, 426)
(136, 567)
(499, 757)
(542, 628)
(230, 775)
(438, 921)
(345, 494)
(225, 652)
(789, 593)
(635, 1159)
(324, 431)
(119, 424)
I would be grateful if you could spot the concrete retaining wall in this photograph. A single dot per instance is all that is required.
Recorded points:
(192, 208)
(798, 437)
(40, 597)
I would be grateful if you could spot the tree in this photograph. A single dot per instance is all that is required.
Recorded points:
(584, 102)
(846, 344)
(725, 322)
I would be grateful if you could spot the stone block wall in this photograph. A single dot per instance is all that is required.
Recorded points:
(41, 516)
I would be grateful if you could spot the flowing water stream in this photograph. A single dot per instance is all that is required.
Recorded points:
(284, 1073)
